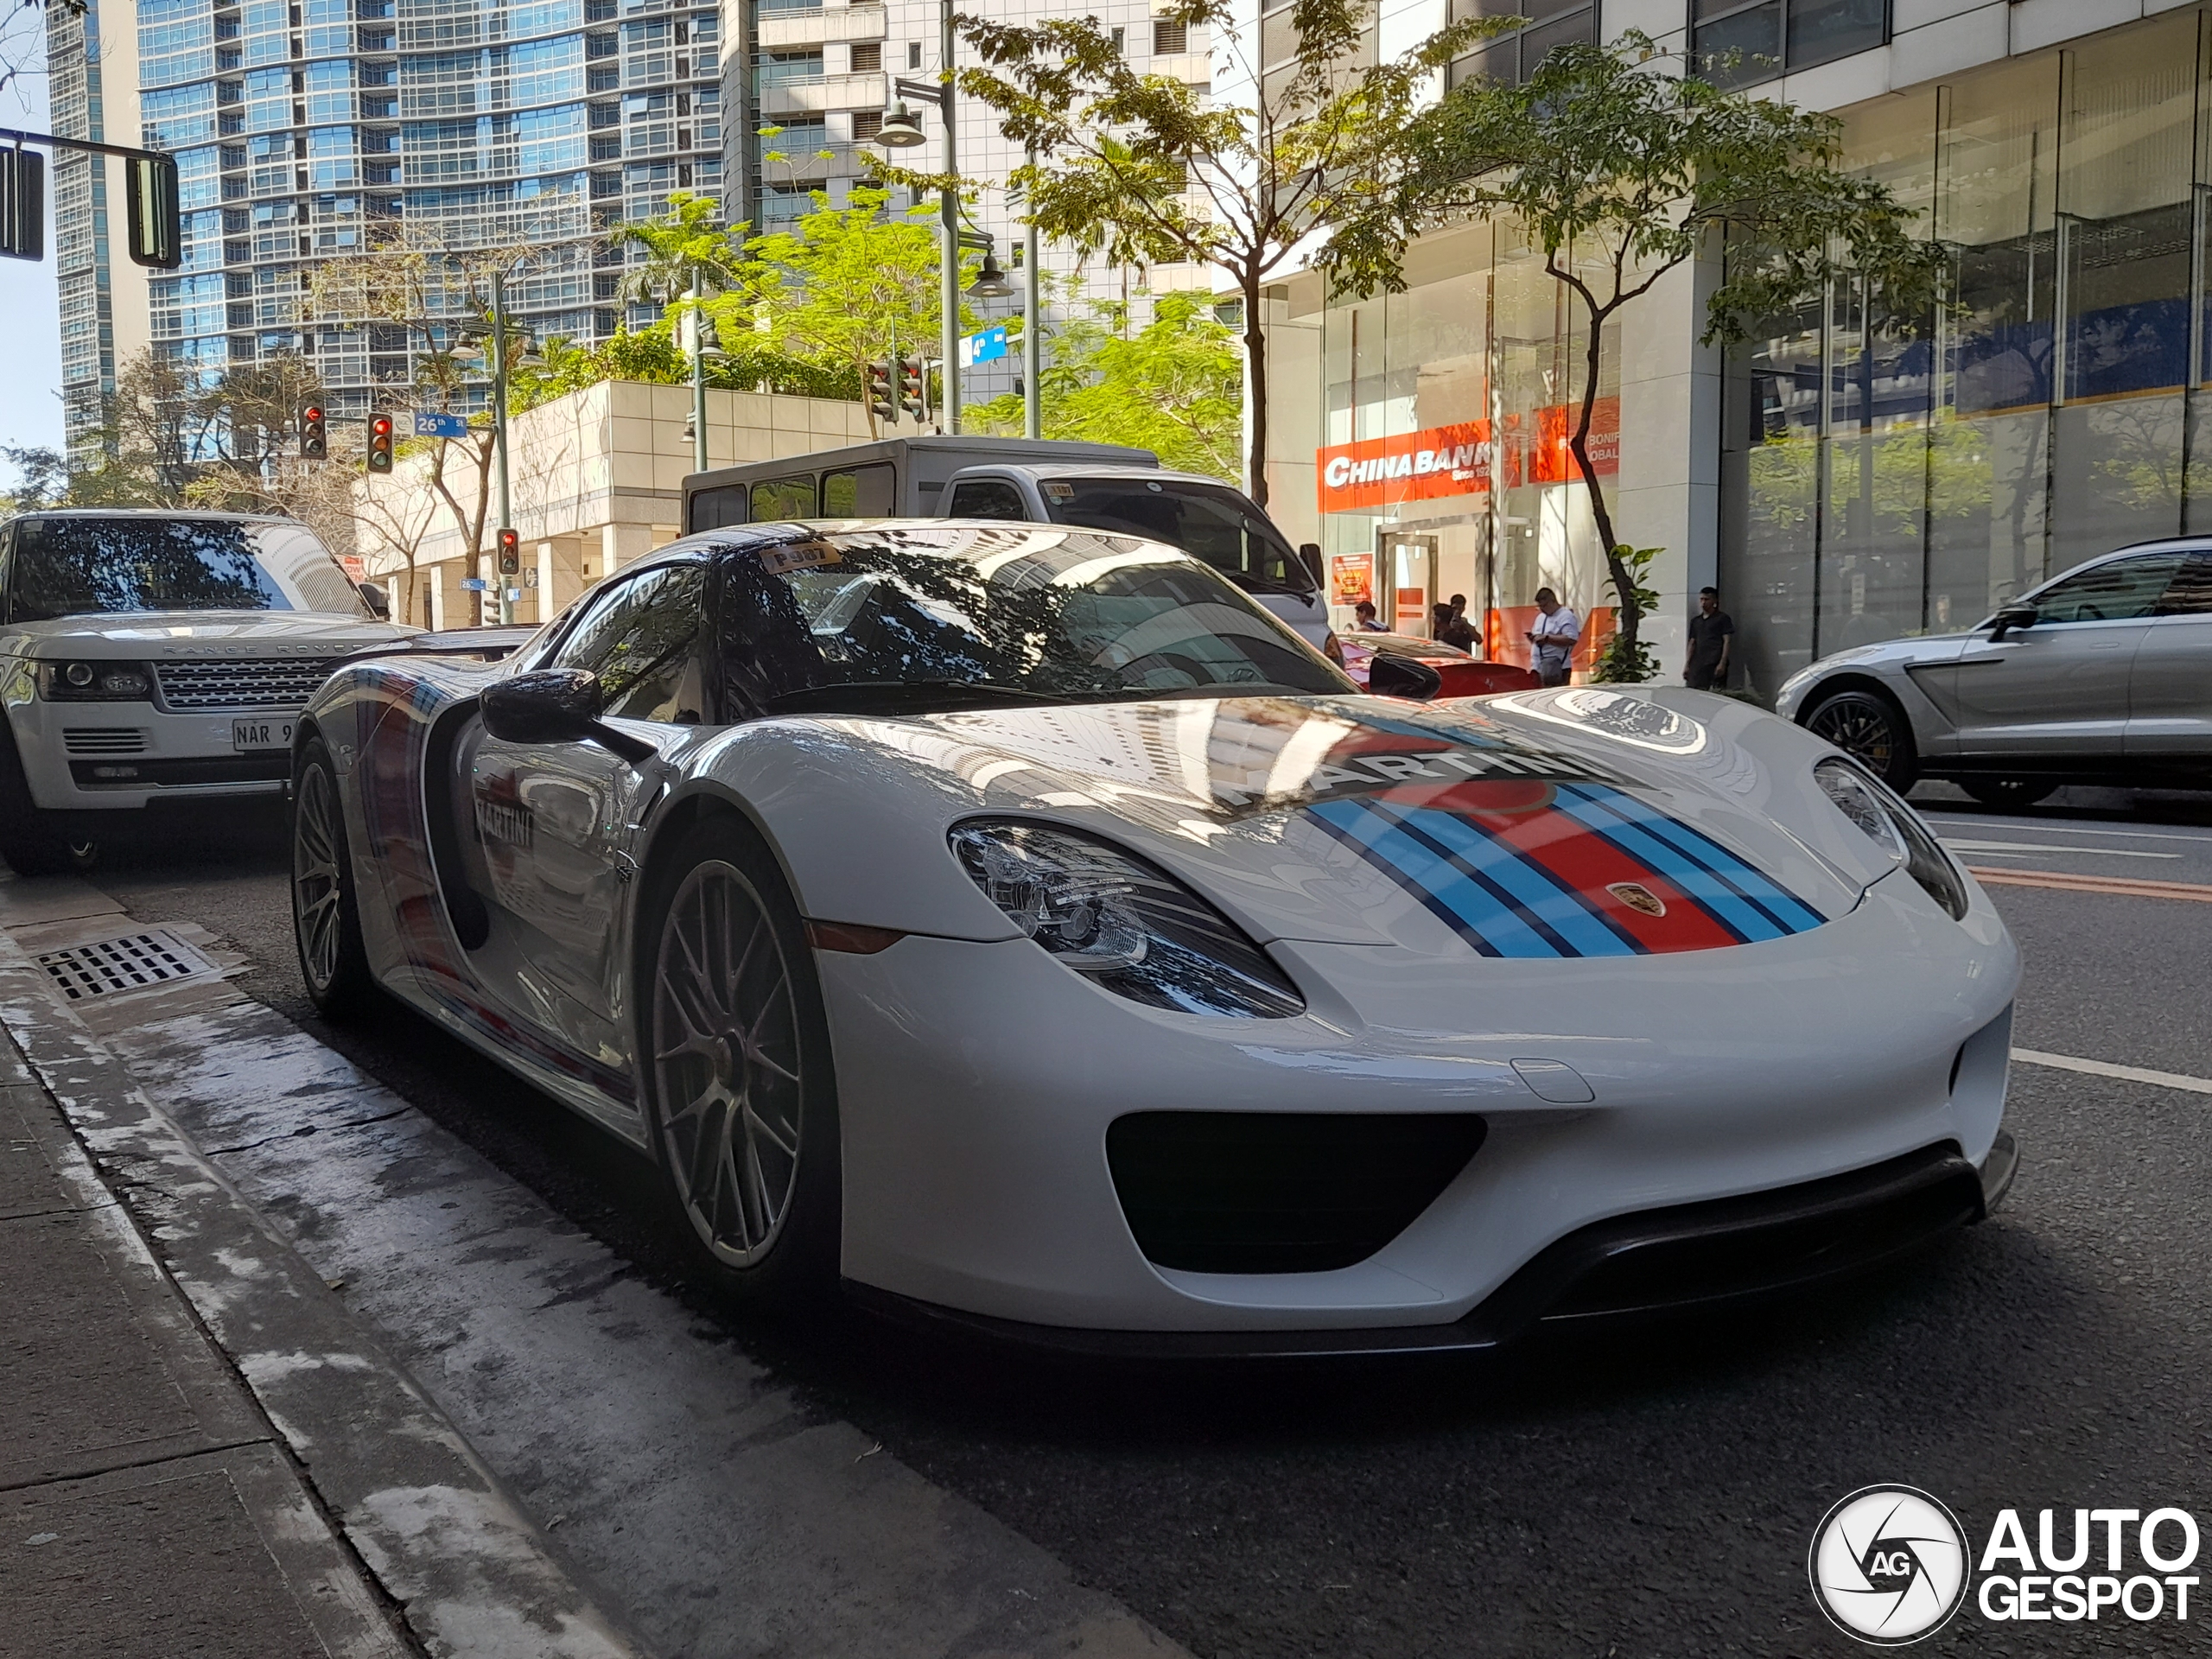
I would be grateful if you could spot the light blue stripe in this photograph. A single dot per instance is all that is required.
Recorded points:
(1482, 912)
(1791, 911)
(1561, 912)
(1701, 884)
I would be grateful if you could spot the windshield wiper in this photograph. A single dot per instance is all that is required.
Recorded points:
(902, 692)
(1252, 584)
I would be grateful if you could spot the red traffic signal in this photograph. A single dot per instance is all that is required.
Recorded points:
(880, 403)
(379, 443)
(510, 553)
(913, 396)
(315, 435)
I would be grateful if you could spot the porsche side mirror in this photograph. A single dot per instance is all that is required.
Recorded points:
(1402, 677)
(2012, 617)
(557, 705)
(377, 598)
(1309, 554)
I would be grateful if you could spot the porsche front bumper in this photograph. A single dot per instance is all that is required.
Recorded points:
(977, 1084)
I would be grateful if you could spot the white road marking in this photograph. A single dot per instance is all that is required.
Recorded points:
(2107, 1069)
(2043, 829)
(2010, 848)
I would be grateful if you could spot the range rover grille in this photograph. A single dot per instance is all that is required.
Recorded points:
(243, 683)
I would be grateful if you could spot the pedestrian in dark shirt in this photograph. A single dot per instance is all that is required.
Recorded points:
(1712, 633)
(1451, 625)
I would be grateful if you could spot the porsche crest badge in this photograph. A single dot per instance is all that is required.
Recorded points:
(1639, 898)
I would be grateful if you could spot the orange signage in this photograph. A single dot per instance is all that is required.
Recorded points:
(1460, 458)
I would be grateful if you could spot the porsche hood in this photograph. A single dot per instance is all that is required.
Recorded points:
(1587, 822)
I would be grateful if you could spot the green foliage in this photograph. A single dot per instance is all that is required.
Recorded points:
(1627, 660)
(653, 356)
(1174, 387)
(1148, 168)
(1619, 166)
(687, 245)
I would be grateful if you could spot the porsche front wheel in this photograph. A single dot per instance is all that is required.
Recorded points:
(1872, 731)
(326, 918)
(736, 1067)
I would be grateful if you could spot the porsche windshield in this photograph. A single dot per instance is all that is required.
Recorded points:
(70, 566)
(912, 617)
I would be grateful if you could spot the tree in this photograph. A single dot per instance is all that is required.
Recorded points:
(843, 287)
(41, 478)
(686, 246)
(1620, 169)
(1172, 387)
(1181, 175)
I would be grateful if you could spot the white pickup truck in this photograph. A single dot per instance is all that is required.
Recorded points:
(150, 656)
(1095, 486)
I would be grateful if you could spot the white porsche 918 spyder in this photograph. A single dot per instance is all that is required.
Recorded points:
(1018, 925)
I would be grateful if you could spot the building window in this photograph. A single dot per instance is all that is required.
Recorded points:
(1738, 42)
(1121, 38)
(913, 55)
(867, 57)
(1512, 58)
(866, 124)
(1170, 37)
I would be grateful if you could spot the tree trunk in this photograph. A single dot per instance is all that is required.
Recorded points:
(1255, 394)
(1623, 578)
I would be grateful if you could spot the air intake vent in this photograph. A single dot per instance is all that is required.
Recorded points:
(102, 740)
(136, 961)
(248, 683)
(1280, 1191)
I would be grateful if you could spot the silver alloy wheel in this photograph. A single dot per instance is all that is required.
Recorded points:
(727, 1061)
(1861, 726)
(315, 877)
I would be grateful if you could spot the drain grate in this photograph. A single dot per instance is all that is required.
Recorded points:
(136, 961)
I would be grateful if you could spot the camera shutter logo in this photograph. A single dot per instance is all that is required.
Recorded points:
(1889, 1565)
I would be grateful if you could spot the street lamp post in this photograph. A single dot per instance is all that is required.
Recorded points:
(499, 425)
(900, 133)
(698, 380)
(1033, 341)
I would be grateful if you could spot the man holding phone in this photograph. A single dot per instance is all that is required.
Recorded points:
(1552, 637)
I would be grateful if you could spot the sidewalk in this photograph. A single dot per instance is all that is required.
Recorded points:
(147, 1507)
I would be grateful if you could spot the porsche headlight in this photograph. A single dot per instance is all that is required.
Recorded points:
(1896, 829)
(1129, 926)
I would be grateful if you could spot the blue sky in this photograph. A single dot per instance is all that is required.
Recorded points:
(31, 410)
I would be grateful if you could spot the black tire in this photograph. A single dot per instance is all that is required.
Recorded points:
(35, 842)
(742, 1113)
(326, 912)
(1871, 730)
(2006, 793)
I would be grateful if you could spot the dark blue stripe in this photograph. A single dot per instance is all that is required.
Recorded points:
(1539, 893)
(1484, 919)
(1739, 896)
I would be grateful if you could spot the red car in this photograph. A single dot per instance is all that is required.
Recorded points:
(1463, 676)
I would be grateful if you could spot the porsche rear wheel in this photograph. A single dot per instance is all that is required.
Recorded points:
(326, 916)
(1872, 731)
(736, 1064)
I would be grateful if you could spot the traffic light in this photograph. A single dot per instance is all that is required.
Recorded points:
(913, 390)
(510, 553)
(315, 435)
(379, 443)
(879, 392)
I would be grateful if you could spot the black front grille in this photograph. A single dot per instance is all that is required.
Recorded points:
(1280, 1191)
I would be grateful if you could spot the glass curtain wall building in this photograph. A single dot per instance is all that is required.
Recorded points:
(302, 127)
(1886, 474)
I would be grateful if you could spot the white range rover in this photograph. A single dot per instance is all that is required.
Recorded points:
(151, 655)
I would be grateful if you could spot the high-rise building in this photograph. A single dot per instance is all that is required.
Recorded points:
(302, 127)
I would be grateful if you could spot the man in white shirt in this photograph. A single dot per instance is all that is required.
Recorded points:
(1553, 637)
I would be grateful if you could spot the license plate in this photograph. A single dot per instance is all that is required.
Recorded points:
(250, 734)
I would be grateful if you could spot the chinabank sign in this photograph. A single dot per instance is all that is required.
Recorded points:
(1462, 459)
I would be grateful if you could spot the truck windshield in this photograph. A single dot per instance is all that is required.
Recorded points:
(91, 566)
(1211, 522)
(911, 618)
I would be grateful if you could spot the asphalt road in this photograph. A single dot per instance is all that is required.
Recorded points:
(1649, 1491)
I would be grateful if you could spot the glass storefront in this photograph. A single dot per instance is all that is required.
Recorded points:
(1886, 474)
(1437, 421)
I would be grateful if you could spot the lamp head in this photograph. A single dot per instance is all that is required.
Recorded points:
(990, 282)
(899, 130)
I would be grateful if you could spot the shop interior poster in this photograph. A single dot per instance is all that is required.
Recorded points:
(1352, 579)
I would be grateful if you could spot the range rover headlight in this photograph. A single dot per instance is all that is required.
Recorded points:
(1886, 821)
(85, 682)
(1128, 926)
